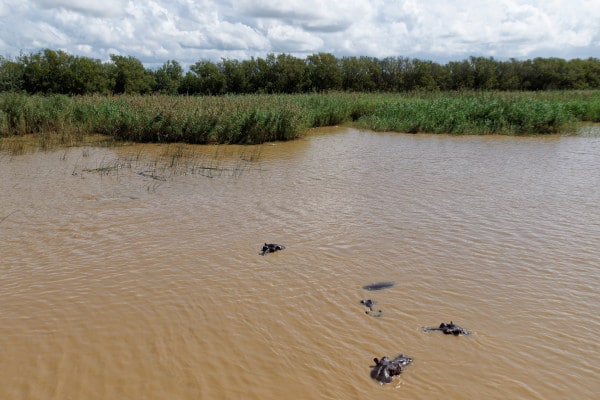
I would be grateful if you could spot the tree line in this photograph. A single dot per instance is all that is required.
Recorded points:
(57, 72)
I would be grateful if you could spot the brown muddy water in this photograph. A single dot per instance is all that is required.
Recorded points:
(134, 273)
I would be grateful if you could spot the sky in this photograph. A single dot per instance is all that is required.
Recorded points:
(187, 31)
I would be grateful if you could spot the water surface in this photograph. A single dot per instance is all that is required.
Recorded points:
(135, 272)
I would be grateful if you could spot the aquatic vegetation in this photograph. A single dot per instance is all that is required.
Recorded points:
(254, 119)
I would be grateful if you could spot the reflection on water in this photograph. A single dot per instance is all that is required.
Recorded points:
(135, 272)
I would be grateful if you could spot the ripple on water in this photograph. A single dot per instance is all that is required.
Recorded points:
(109, 279)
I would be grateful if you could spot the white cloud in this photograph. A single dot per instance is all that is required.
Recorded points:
(4, 9)
(46, 35)
(291, 39)
(104, 8)
(190, 30)
(236, 36)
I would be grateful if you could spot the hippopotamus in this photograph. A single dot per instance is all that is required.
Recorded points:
(449, 329)
(385, 369)
(369, 304)
(271, 248)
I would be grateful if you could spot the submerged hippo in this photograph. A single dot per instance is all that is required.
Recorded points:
(449, 329)
(271, 248)
(369, 304)
(378, 286)
(385, 369)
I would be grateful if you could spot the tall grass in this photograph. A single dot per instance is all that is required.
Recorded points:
(255, 119)
(479, 113)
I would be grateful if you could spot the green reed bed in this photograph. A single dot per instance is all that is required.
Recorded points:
(227, 119)
(484, 113)
(253, 119)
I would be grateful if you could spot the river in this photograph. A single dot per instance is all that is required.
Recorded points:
(134, 272)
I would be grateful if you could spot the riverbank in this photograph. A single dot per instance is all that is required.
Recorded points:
(253, 119)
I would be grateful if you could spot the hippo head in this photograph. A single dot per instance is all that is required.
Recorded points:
(380, 371)
(385, 369)
(270, 248)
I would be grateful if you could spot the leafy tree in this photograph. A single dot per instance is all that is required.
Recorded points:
(11, 75)
(324, 72)
(484, 73)
(460, 75)
(208, 79)
(393, 71)
(440, 76)
(355, 75)
(291, 75)
(589, 72)
(266, 74)
(261, 74)
(421, 75)
(236, 80)
(577, 74)
(390, 74)
(249, 71)
(369, 74)
(46, 71)
(50, 71)
(168, 77)
(550, 74)
(190, 84)
(509, 77)
(88, 76)
(130, 76)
